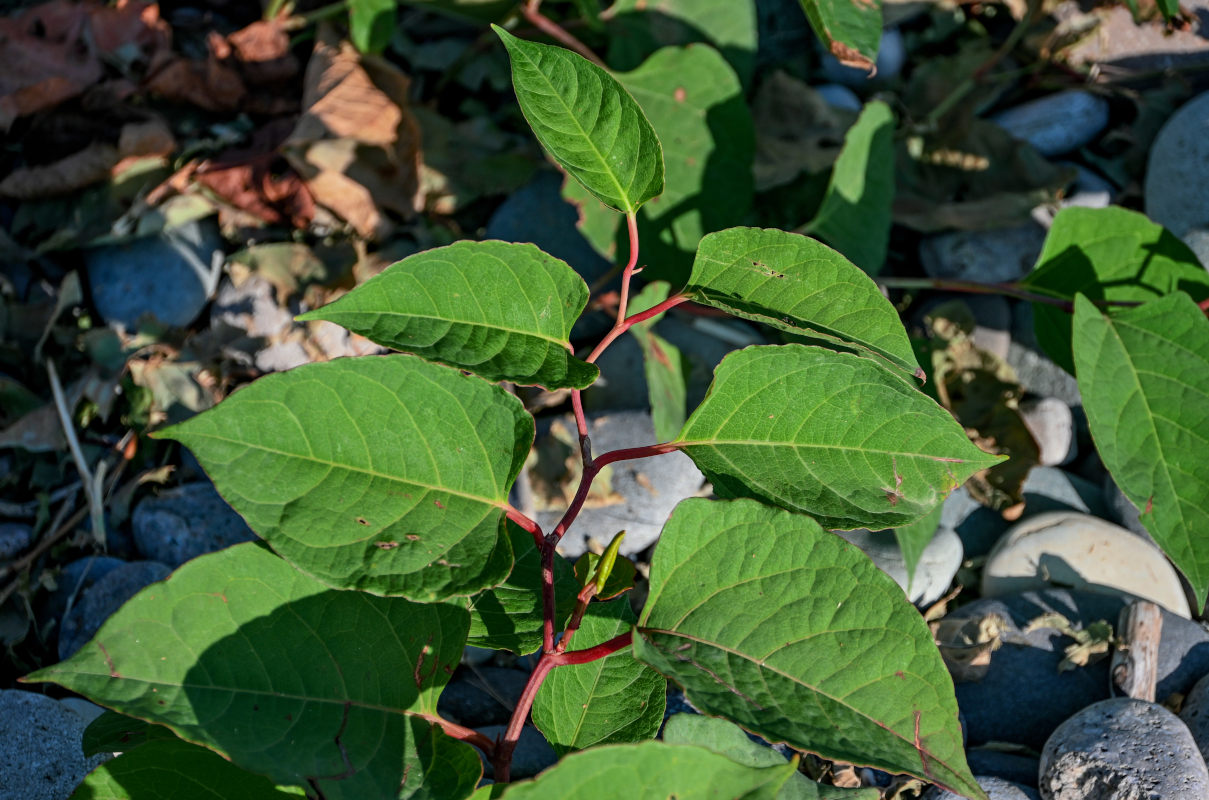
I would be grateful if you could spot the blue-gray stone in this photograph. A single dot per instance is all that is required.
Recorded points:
(838, 95)
(1012, 767)
(170, 276)
(1177, 175)
(468, 701)
(102, 599)
(186, 522)
(40, 753)
(74, 578)
(996, 789)
(1056, 123)
(14, 539)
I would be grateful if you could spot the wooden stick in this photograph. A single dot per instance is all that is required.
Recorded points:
(1135, 662)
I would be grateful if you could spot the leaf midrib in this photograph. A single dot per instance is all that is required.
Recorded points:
(562, 343)
(801, 446)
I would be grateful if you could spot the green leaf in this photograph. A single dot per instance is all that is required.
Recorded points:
(619, 580)
(239, 652)
(611, 700)
(502, 311)
(649, 770)
(1169, 8)
(828, 434)
(371, 24)
(914, 538)
(727, 739)
(1144, 377)
(666, 369)
(481, 11)
(587, 122)
(116, 733)
(386, 474)
(1107, 254)
(851, 30)
(509, 616)
(856, 212)
(638, 28)
(765, 618)
(179, 770)
(800, 286)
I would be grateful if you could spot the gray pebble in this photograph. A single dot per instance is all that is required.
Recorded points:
(1123, 749)
(996, 789)
(1052, 425)
(839, 96)
(467, 701)
(102, 599)
(934, 573)
(649, 488)
(1177, 174)
(1056, 123)
(74, 578)
(1195, 715)
(991, 256)
(170, 276)
(1013, 767)
(40, 755)
(1022, 697)
(14, 539)
(533, 753)
(1041, 376)
(186, 522)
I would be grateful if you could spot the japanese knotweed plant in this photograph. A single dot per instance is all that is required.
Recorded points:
(311, 663)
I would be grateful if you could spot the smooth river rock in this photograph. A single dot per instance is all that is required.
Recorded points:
(1056, 123)
(1123, 749)
(938, 563)
(1177, 176)
(1084, 552)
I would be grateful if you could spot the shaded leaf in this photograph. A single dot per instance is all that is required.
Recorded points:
(1144, 377)
(851, 29)
(797, 131)
(474, 10)
(587, 122)
(116, 733)
(310, 686)
(765, 618)
(638, 28)
(727, 739)
(800, 286)
(651, 769)
(371, 24)
(828, 434)
(665, 368)
(611, 700)
(914, 538)
(386, 474)
(503, 311)
(176, 769)
(856, 211)
(509, 616)
(1107, 254)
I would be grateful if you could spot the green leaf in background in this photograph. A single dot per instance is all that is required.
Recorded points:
(665, 367)
(587, 122)
(914, 538)
(371, 23)
(1107, 254)
(1144, 377)
(615, 699)
(386, 474)
(509, 616)
(482, 11)
(727, 739)
(650, 770)
(179, 770)
(829, 434)
(1169, 8)
(500, 310)
(638, 28)
(765, 618)
(857, 208)
(112, 732)
(310, 686)
(800, 286)
(851, 30)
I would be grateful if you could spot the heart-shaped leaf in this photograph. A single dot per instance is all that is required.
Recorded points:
(727, 739)
(176, 769)
(856, 211)
(800, 286)
(1144, 377)
(651, 769)
(851, 30)
(1107, 254)
(386, 474)
(310, 686)
(500, 310)
(587, 122)
(765, 618)
(610, 700)
(509, 616)
(829, 434)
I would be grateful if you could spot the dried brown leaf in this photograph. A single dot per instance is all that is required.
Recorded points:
(263, 52)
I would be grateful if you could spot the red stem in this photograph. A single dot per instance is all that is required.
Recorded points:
(590, 472)
(558, 32)
(502, 760)
(456, 731)
(532, 527)
(581, 606)
(619, 642)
